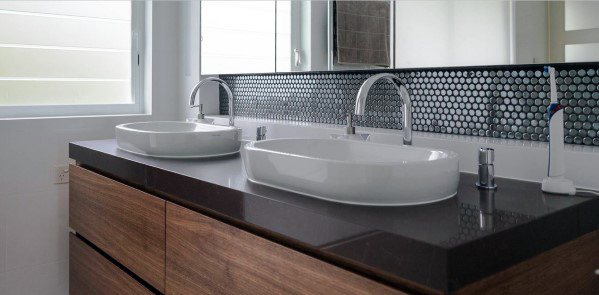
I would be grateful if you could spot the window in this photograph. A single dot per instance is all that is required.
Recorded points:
(60, 58)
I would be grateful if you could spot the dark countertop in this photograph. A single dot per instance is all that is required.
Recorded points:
(437, 247)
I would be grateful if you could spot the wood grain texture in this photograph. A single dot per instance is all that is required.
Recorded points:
(206, 256)
(567, 269)
(124, 222)
(91, 273)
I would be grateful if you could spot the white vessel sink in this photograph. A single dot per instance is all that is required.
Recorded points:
(170, 139)
(353, 172)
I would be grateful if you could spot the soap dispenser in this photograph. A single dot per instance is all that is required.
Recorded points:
(486, 169)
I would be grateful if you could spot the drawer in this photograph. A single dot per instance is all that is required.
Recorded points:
(91, 273)
(126, 223)
(206, 256)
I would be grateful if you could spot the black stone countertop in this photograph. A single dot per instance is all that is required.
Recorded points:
(437, 247)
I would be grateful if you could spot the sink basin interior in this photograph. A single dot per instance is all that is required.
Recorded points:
(173, 127)
(348, 151)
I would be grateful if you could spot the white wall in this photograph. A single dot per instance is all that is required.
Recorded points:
(33, 210)
(189, 63)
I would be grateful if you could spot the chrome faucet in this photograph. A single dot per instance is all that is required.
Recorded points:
(222, 83)
(403, 95)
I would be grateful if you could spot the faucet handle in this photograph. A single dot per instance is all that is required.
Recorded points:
(261, 133)
(201, 111)
(201, 116)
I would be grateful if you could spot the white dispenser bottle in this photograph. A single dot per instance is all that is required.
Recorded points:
(555, 182)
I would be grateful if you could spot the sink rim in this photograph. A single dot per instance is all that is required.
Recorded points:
(217, 128)
(178, 156)
(357, 203)
(450, 155)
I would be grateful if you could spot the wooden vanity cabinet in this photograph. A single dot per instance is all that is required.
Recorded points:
(122, 221)
(204, 255)
(90, 273)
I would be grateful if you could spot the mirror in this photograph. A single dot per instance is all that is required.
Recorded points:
(291, 36)
(237, 37)
(468, 33)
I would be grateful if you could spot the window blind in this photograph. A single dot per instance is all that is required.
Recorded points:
(65, 52)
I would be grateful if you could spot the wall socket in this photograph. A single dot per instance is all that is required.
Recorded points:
(61, 174)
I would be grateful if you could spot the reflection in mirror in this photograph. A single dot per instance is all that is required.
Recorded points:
(301, 36)
(361, 33)
(287, 49)
(466, 33)
(338, 35)
(574, 31)
(449, 33)
(287, 36)
(237, 37)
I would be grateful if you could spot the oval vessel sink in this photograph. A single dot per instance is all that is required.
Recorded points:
(353, 172)
(170, 139)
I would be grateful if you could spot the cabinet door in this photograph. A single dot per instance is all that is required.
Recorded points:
(124, 222)
(91, 273)
(566, 269)
(204, 255)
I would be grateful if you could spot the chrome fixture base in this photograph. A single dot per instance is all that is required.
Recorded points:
(486, 187)
(486, 169)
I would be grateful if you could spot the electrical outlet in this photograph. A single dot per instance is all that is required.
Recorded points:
(61, 174)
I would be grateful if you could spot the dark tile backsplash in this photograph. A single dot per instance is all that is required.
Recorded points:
(495, 101)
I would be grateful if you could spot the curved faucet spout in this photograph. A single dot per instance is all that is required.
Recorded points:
(404, 96)
(222, 83)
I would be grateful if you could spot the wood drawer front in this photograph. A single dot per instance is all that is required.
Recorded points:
(124, 222)
(566, 269)
(91, 273)
(206, 256)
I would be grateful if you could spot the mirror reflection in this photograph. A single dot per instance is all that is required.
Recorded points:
(291, 36)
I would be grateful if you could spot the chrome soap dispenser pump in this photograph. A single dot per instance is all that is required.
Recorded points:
(486, 169)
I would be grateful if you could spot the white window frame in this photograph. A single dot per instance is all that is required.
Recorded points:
(296, 41)
(137, 106)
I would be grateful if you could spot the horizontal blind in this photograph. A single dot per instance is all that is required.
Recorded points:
(65, 52)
